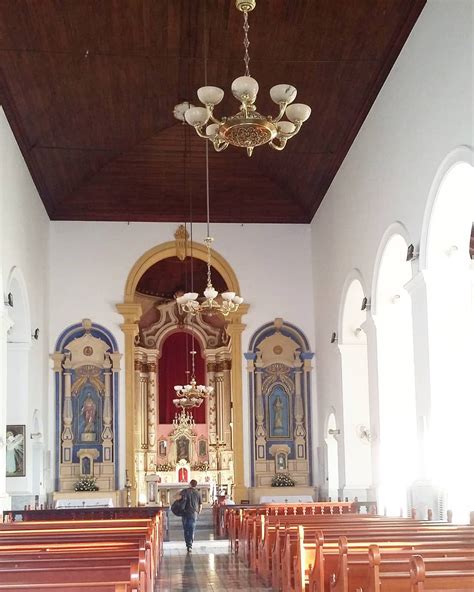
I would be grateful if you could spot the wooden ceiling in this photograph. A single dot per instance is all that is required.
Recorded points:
(89, 88)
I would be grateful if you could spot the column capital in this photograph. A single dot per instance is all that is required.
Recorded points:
(130, 311)
(417, 282)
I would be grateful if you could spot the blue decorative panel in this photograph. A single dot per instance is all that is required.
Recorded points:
(278, 413)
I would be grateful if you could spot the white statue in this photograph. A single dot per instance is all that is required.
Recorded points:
(14, 446)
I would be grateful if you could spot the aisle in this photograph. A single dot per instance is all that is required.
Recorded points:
(209, 568)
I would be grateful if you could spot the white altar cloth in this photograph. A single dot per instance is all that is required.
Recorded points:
(282, 499)
(84, 503)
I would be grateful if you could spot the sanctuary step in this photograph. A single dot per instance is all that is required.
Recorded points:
(204, 526)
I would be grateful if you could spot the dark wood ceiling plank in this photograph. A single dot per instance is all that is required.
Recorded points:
(89, 89)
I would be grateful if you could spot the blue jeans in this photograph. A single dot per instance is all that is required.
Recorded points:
(189, 526)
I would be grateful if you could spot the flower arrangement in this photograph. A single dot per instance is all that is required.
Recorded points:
(86, 484)
(200, 466)
(282, 480)
(165, 467)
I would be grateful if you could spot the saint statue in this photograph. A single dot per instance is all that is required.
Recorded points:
(88, 413)
(278, 413)
(14, 445)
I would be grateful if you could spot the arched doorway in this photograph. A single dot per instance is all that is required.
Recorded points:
(446, 260)
(355, 392)
(392, 314)
(132, 310)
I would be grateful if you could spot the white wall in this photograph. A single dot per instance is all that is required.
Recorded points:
(423, 112)
(90, 263)
(24, 227)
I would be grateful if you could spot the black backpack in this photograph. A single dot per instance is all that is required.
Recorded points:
(178, 507)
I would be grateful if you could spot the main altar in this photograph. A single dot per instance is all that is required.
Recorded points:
(188, 458)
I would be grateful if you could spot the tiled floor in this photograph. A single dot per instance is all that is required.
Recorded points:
(210, 567)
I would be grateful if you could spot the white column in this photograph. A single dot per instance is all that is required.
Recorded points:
(5, 325)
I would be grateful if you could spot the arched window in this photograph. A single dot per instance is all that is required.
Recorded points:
(392, 315)
(449, 277)
(355, 391)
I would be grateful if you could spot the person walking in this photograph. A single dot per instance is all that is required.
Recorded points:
(193, 507)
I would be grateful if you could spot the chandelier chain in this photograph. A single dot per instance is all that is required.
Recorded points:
(246, 28)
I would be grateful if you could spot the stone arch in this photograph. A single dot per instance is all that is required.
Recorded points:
(394, 230)
(131, 312)
(460, 155)
(19, 313)
(356, 476)
(166, 250)
(392, 315)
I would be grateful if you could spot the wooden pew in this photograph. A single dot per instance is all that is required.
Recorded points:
(352, 574)
(81, 553)
(416, 578)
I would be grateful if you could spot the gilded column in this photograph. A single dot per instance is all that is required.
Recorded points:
(131, 313)
(211, 408)
(152, 410)
(107, 434)
(67, 436)
(234, 330)
(227, 403)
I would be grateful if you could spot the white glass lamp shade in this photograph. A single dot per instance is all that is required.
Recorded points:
(228, 295)
(211, 130)
(210, 293)
(196, 116)
(297, 112)
(237, 300)
(182, 299)
(283, 93)
(191, 296)
(286, 127)
(177, 388)
(245, 86)
(210, 95)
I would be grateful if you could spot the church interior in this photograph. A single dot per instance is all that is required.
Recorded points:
(280, 307)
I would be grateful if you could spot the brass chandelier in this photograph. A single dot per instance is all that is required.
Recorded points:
(192, 394)
(247, 128)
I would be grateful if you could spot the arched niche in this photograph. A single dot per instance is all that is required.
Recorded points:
(355, 391)
(18, 390)
(279, 374)
(86, 366)
(392, 315)
(132, 311)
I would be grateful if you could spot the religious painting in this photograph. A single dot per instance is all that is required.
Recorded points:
(278, 413)
(182, 449)
(15, 447)
(162, 448)
(202, 447)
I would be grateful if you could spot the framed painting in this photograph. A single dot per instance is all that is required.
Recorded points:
(202, 447)
(162, 446)
(15, 446)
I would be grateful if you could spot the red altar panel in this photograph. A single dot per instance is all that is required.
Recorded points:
(172, 370)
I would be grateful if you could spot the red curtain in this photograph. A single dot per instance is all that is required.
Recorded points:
(172, 370)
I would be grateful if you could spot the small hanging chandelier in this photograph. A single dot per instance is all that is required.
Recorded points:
(192, 394)
(247, 128)
(229, 301)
